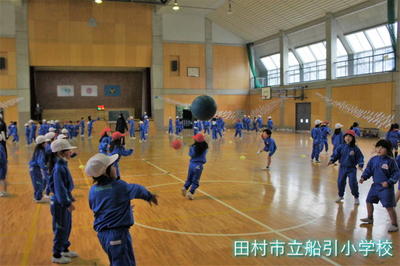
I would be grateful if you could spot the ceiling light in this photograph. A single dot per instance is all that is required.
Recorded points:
(176, 6)
(230, 8)
(98, 1)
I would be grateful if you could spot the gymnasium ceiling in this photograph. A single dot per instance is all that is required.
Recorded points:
(256, 19)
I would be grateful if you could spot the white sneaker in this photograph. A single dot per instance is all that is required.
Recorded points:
(393, 228)
(367, 220)
(43, 200)
(189, 195)
(183, 191)
(69, 254)
(3, 194)
(356, 201)
(46, 196)
(339, 200)
(61, 260)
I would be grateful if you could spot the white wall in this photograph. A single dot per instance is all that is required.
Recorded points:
(7, 19)
(221, 35)
(180, 27)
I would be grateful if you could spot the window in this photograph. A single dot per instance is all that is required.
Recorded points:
(273, 65)
(313, 58)
(341, 60)
(294, 69)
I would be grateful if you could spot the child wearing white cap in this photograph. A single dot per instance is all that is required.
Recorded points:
(109, 199)
(270, 123)
(62, 202)
(38, 169)
(337, 137)
(27, 133)
(131, 123)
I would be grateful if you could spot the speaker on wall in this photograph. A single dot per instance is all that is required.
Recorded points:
(2, 63)
(174, 65)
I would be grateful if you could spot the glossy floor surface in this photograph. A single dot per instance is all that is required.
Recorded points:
(238, 200)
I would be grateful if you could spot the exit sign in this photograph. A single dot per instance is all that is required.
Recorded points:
(100, 107)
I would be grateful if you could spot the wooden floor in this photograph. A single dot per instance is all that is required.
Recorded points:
(237, 200)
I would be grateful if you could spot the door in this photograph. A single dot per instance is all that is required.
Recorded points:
(303, 116)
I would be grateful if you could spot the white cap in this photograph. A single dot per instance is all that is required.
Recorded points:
(338, 125)
(177, 116)
(44, 120)
(317, 122)
(269, 117)
(27, 125)
(64, 131)
(61, 145)
(62, 136)
(56, 121)
(50, 135)
(52, 129)
(98, 164)
(41, 139)
(141, 122)
(51, 121)
(131, 117)
(30, 121)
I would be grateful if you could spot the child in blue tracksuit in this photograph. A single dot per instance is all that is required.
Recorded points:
(131, 123)
(206, 127)
(38, 168)
(57, 126)
(76, 128)
(142, 132)
(32, 131)
(13, 131)
(43, 129)
(146, 123)
(170, 126)
(105, 140)
(3, 170)
(393, 136)
(337, 137)
(385, 173)
(82, 126)
(269, 145)
(255, 125)
(110, 200)
(349, 156)
(90, 126)
(177, 126)
(270, 123)
(238, 128)
(27, 134)
(116, 147)
(214, 128)
(356, 129)
(259, 122)
(195, 127)
(220, 126)
(197, 153)
(61, 205)
(317, 141)
(325, 132)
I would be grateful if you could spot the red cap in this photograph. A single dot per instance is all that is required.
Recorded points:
(350, 132)
(117, 135)
(199, 137)
(107, 129)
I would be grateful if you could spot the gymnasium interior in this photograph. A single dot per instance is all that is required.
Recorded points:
(291, 61)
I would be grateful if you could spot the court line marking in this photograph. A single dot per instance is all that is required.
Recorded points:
(237, 211)
(26, 251)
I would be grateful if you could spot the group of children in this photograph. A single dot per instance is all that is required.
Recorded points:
(144, 125)
(383, 168)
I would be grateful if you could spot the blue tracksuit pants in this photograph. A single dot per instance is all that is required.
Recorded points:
(62, 222)
(345, 172)
(117, 243)
(193, 178)
(37, 182)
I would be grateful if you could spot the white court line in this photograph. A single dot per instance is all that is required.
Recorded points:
(238, 211)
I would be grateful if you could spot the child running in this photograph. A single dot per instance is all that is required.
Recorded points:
(197, 153)
(269, 145)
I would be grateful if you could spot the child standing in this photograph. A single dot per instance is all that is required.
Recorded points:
(142, 132)
(38, 169)
(356, 129)
(105, 141)
(32, 132)
(3, 170)
(316, 136)
(131, 123)
(325, 131)
(195, 127)
(269, 145)
(27, 134)
(393, 136)
(170, 126)
(61, 206)
(270, 123)
(337, 137)
(90, 126)
(82, 126)
(116, 147)
(109, 198)
(206, 126)
(197, 153)
(349, 156)
(238, 128)
(13, 131)
(259, 122)
(214, 128)
(385, 174)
